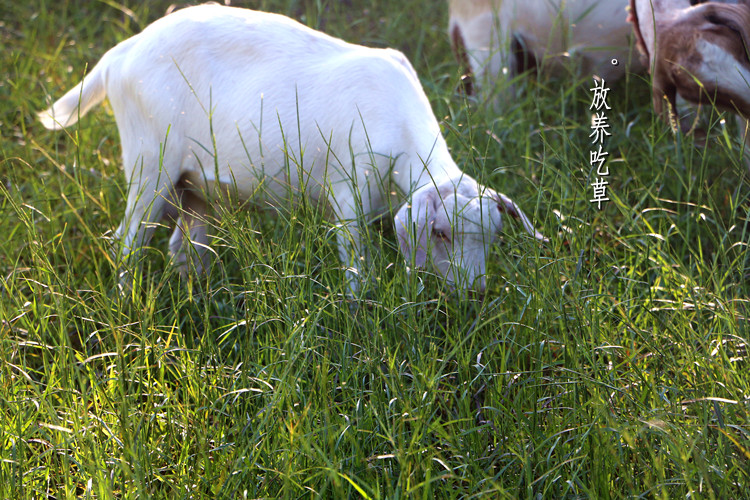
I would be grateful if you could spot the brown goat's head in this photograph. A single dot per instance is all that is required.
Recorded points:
(699, 51)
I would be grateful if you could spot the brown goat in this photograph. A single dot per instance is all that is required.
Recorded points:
(699, 52)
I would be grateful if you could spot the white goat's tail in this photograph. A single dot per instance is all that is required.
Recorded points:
(66, 110)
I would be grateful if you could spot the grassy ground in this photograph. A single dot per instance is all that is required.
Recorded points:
(609, 363)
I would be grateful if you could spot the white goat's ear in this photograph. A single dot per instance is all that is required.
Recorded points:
(506, 205)
(414, 223)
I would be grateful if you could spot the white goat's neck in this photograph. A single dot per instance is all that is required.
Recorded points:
(412, 172)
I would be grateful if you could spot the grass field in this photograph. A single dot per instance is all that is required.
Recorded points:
(609, 363)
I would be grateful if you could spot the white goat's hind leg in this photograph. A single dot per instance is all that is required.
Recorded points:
(150, 192)
(191, 252)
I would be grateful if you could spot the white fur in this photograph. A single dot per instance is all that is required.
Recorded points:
(251, 102)
(593, 32)
(714, 66)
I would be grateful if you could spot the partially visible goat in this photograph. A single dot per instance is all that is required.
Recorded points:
(219, 97)
(499, 39)
(699, 52)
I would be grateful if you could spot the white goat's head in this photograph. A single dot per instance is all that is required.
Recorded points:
(454, 225)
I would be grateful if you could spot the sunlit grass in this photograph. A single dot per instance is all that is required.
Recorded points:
(610, 362)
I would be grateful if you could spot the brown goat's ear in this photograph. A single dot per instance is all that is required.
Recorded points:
(506, 205)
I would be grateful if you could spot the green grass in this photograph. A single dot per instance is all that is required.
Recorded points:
(609, 363)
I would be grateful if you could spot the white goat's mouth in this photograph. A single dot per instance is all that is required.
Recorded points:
(459, 277)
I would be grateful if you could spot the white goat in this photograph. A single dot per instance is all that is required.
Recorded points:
(499, 39)
(697, 52)
(218, 97)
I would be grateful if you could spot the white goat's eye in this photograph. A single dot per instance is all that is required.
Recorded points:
(440, 234)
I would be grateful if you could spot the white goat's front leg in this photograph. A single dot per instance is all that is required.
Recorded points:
(487, 50)
(353, 209)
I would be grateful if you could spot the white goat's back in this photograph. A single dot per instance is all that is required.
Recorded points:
(262, 86)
